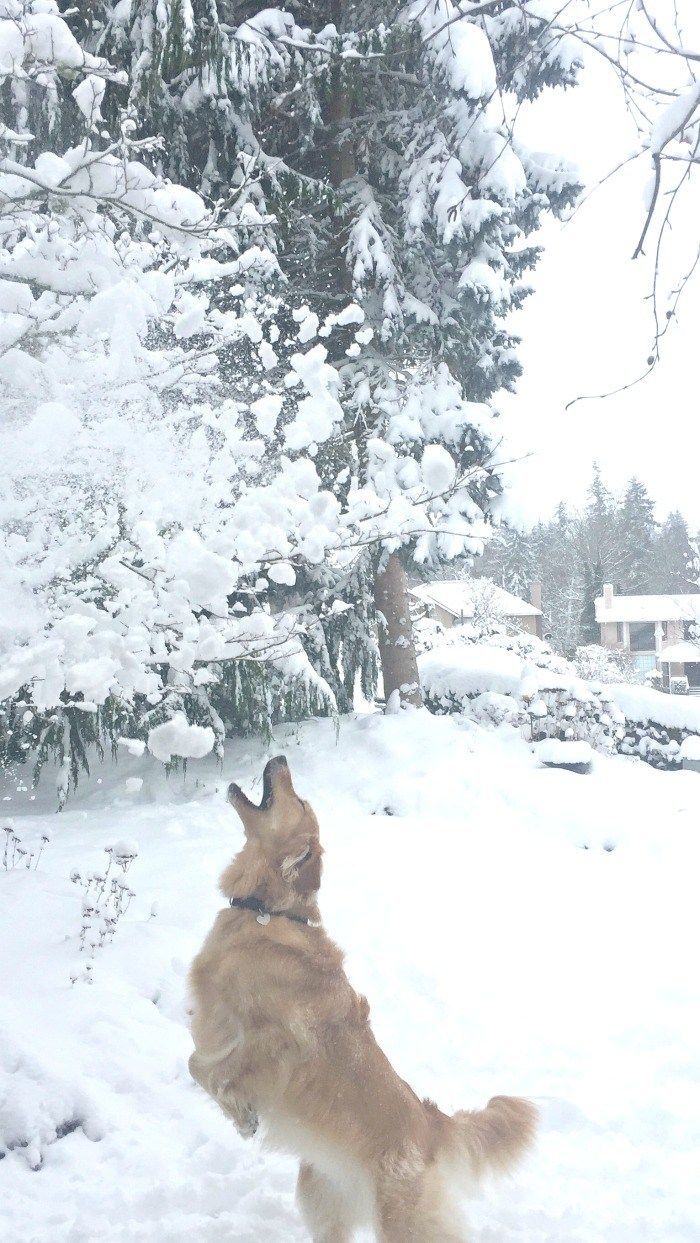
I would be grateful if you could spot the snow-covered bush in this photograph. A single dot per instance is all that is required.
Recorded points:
(495, 635)
(17, 851)
(594, 663)
(678, 686)
(531, 649)
(656, 724)
(429, 633)
(107, 897)
(547, 701)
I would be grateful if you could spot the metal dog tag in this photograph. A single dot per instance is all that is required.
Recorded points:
(263, 919)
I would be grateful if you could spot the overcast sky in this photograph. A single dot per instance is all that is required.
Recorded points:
(587, 330)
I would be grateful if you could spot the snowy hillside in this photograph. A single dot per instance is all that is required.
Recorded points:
(516, 929)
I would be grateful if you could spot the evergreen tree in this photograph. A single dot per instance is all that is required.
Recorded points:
(510, 559)
(598, 533)
(673, 566)
(374, 136)
(637, 532)
(593, 582)
(132, 604)
(560, 575)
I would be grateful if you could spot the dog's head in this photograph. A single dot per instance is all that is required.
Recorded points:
(282, 830)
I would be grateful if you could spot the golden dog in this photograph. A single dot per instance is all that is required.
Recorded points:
(281, 1037)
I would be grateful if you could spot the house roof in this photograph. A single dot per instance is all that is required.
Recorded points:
(458, 597)
(648, 608)
(681, 653)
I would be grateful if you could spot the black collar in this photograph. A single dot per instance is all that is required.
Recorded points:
(264, 916)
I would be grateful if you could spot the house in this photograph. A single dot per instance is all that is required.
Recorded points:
(454, 601)
(659, 631)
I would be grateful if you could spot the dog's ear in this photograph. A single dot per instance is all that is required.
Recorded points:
(277, 786)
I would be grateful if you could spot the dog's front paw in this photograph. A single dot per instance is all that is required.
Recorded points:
(247, 1121)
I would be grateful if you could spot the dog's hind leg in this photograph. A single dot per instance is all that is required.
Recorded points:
(326, 1213)
(417, 1211)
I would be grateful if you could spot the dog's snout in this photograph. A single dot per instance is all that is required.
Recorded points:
(277, 761)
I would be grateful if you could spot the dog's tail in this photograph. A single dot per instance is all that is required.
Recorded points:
(494, 1138)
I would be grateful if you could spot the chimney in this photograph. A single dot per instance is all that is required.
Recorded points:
(608, 591)
(536, 595)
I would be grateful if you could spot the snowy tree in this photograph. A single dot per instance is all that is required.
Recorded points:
(510, 559)
(638, 529)
(652, 49)
(560, 575)
(153, 505)
(383, 141)
(673, 565)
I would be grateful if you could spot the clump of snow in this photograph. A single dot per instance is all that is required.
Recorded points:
(177, 737)
(282, 572)
(88, 95)
(552, 751)
(135, 746)
(438, 468)
(690, 748)
(124, 851)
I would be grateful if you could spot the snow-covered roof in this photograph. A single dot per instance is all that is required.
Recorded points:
(681, 653)
(648, 608)
(459, 597)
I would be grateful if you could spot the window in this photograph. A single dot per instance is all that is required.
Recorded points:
(642, 637)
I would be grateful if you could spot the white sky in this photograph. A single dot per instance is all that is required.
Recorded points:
(587, 329)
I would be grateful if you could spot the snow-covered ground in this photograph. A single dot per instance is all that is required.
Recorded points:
(516, 929)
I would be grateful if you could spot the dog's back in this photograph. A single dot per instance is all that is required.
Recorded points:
(281, 1036)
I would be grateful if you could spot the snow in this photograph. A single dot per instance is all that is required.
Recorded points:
(680, 654)
(135, 746)
(282, 572)
(88, 95)
(690, 748)
(503, 943)
(673, 119)
(460, 597)
(438, 468)
(465, 670)
(266, 412)
(552, 751)
(176, 737)
(649, 608)
(641, 703)
(471, 668)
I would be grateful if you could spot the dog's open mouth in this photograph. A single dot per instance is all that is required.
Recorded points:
(273, 766)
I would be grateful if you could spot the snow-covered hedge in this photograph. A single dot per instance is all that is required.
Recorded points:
(656, 724)
(641, 704)
(496, 683)
(520, 682)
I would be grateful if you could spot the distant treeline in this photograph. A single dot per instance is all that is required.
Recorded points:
(612, 539)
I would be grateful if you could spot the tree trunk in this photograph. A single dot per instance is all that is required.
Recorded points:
(397, 650)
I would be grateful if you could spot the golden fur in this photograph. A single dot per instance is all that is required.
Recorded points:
(282, 1038)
